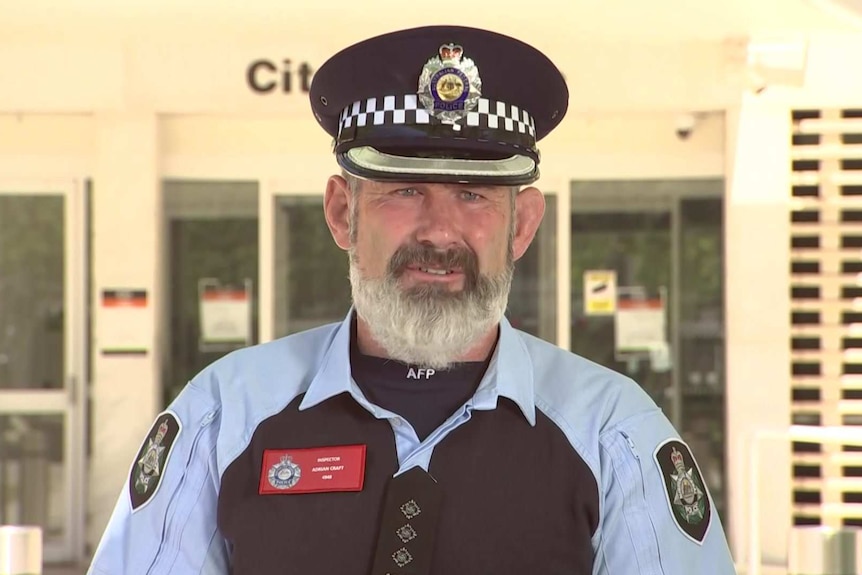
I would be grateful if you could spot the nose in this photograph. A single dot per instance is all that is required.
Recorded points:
(438, 220)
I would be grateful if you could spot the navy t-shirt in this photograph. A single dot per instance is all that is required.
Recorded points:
(424, 400)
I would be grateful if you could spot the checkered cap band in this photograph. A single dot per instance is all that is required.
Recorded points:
(491, 121)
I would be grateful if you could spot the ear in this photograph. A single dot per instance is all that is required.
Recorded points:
(529, 210)
(336, 209)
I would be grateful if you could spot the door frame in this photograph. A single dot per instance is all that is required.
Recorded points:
(70, 401)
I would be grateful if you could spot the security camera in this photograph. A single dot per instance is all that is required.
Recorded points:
(756, 82)
(685, 124)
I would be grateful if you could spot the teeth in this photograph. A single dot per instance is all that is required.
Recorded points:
(432, 271)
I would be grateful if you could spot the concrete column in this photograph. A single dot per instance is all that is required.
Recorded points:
(127, 238)
(757, 243)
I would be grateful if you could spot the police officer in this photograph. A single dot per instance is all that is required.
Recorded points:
(423, 434)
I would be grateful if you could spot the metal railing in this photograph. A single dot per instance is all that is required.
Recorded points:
(813, 434)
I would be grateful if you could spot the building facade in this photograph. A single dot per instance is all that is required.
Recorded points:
(161, 205)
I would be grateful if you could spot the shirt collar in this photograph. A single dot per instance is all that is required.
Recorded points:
(509, 374)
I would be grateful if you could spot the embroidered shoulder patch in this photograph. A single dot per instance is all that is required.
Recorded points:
(687, 495)
(152, 459)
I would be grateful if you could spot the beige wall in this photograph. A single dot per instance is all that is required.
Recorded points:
(46, 146)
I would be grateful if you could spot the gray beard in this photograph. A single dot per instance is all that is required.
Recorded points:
(428, 325)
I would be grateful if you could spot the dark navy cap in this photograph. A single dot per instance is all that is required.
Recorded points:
(439, 103)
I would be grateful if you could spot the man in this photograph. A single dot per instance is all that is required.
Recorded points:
(423, 434)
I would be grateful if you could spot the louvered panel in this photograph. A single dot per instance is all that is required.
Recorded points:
(833, 126)
(841, 483)
(848, 333)
(805, 179)
(837, 177)
(840, 458)
(833, 203)
(829, 152)
(826, 311)
(844, 286)
(851, 381)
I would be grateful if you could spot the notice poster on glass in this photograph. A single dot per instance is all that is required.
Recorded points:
(225, 313)
(600, 292)
(640, 323)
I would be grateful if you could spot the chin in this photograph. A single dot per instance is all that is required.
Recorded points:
(429, 287)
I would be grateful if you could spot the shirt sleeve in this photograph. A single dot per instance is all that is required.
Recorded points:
(164, 521)
(657, 516)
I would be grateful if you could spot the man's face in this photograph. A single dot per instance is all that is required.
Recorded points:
(432, 238)
(431, 264)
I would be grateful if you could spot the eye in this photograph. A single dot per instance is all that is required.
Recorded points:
(470, 196)
(407, 192)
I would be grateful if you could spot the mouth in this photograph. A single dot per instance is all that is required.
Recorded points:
(439, 271)
(434, 271)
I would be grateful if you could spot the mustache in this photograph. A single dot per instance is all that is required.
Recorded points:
(460, 258)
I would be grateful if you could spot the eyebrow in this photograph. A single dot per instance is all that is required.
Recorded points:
(455, 188)
(402, 185)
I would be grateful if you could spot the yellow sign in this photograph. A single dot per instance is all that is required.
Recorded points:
(600, 292)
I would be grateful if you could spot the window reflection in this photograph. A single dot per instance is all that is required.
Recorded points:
(533, 299)
(312, 285)
(32, 286)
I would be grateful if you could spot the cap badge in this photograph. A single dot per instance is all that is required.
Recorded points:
(449, 85)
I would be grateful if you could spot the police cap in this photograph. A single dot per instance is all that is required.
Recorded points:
(439, 103)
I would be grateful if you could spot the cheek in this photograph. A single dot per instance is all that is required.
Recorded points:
(493, 251)
(501, 250)
(375, 247)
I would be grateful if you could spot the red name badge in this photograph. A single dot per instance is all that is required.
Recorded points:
(312, 470)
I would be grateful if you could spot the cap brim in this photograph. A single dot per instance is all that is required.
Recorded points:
(369, 163)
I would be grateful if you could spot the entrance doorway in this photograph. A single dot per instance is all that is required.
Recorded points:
(43, 367)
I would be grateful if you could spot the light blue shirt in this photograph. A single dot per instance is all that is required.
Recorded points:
(609, 421)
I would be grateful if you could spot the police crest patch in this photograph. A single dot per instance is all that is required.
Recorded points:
(150, 463)
(284, 474)
(687, 495)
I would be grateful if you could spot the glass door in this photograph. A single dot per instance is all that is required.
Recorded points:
(310, 272)
(212, 274)
(43, 335)
(661, 242)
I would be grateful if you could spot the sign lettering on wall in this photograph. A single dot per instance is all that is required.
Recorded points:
(265, 76)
